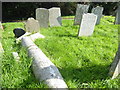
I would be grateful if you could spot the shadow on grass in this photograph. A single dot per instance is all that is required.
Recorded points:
(74, 36)
(85, 74)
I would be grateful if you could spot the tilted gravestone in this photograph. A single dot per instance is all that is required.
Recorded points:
(117, 18)
(42, 15)
(81, 9)
(55, 17)
(115, 66)
(98, 11)
(32, 25)
(87, 24)
(18, 32)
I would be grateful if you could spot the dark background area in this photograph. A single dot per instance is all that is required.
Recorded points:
(13, 11)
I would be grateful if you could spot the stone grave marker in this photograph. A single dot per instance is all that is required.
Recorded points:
(117, 18)
(87, 24)
(115, 66)
(32, 25)
(1, 27)
(55, 17)
(81, 9)
(42, 15)
(98, 11)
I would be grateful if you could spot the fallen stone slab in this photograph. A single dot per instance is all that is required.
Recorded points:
(43, 68)
(35, 36)
(16, 56)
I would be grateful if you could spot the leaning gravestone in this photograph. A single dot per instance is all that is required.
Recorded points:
(42, 15)
(98, 11)
(115, 66)
(55, 17)
(32, 25)
(117, 18)
(81, 9)
(87, 24)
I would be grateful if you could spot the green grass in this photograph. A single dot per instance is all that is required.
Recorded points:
(84, 62)
(16, 74)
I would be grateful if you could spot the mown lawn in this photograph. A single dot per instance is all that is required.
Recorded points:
(84, 62)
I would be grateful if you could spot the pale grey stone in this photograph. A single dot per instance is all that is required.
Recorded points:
(1, 27)
(117, 18)
(87, 24)
(1, 49)
(81, 9)
(43, 68)
(32, 25)
(16, 56)
(115, 66)
(98, 11)
(55, 17)
(42, 15)
(35, 36)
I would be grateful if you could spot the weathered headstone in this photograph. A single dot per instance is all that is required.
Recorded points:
(115, 66)
(98, 11)
(55, 17)
(32, 25)
(87, 24)
(1, 27)
(117, 18)
(18, 32)
(81, 9)
(42, 15)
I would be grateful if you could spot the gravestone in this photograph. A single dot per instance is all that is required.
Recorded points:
(98, 11)
(42, 15)
(87, 24)
(115, 66)
(55, 17)
(32, 25)
(18, 32)
(1, 27)
(117, 18)
(81, 9)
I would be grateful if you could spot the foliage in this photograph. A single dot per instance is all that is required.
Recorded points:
(24, 10)
(16, 74)
(83, 61)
